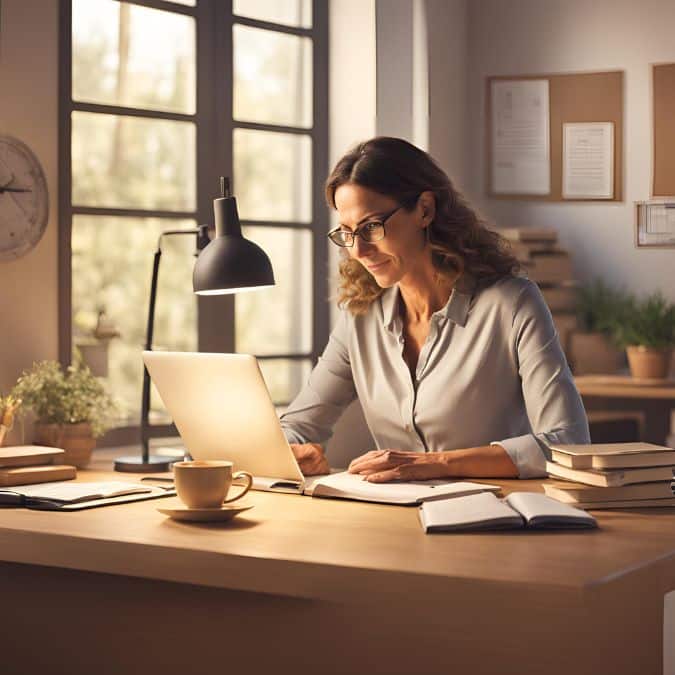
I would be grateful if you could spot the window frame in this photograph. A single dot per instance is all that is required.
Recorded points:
(215, 134)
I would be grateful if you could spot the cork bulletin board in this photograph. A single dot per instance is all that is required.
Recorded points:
(575, 97)
(663, 93)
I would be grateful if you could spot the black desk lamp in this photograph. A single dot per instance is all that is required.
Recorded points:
(227, 264)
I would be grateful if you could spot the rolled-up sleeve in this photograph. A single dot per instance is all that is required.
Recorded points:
(329, 390)
(554, 407)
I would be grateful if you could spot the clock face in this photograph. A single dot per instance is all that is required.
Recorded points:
(24, 201)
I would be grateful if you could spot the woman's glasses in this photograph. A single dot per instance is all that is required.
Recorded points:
(371, 231)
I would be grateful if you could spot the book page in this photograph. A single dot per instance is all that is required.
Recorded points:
(72, 492)
(541, 510)
(353, 486)
(475, 512)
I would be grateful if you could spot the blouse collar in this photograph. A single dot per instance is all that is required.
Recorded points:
(456, 309)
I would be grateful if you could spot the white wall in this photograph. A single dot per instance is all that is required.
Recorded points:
(562, 36)
(28, 111)
(352, 118)
(447, 83)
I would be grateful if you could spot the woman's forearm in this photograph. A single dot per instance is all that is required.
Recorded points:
(486, 461)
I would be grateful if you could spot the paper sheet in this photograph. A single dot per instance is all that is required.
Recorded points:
(520, 137)
(588, 160)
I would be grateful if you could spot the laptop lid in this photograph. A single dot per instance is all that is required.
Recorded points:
(222, 410)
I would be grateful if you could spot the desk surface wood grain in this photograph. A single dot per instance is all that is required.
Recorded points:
(313, 547)
(620, 386)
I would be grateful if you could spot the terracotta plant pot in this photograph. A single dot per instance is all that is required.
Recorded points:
(76, 439)
(593, 353)
(648, 362)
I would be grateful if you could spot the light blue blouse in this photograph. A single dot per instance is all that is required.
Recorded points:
(490, 372)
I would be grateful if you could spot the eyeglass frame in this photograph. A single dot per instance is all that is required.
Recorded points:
(357, 231)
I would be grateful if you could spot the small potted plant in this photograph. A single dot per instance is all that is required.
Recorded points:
(72, 408)
(647, 331)
(592, 348)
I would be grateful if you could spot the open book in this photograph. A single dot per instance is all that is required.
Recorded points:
(352, 486)
(344, 485)
(487, 512)
(74, 496)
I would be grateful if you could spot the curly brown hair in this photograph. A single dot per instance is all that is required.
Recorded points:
(460, 240)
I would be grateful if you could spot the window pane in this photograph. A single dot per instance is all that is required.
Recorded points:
(133, 162)
(272, 77)
(288, 12)
(273, 175)
(284, 378)
(134, 56)
(290, 327)
(112, 266)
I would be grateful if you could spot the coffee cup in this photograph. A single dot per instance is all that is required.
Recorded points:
(204, 484)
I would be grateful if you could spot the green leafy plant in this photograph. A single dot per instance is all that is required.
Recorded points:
(600, 307)
(649, 322)
(69, 397)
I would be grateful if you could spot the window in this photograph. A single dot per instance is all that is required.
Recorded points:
(150, 117)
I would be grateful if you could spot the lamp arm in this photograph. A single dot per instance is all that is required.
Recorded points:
(202, 242)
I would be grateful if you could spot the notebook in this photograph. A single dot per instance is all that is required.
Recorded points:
(75, 496)
(485, 511)
(345, 485)
(612, 455)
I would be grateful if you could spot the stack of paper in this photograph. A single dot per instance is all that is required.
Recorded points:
(612, 475)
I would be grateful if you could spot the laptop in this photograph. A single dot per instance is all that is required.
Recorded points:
(222, 410)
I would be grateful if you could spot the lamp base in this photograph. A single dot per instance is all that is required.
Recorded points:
(155, 464)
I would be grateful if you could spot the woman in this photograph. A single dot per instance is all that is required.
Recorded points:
(454, 358)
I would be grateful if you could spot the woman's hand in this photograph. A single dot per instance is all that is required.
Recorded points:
(311, 458)
(485, 461)
(380, 466)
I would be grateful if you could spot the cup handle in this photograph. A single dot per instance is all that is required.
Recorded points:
(249, 484)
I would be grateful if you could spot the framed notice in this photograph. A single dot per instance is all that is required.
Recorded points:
(588, 160)
(521, 156)
(655, 223)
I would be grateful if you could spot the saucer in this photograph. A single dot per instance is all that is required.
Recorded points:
(225, 512)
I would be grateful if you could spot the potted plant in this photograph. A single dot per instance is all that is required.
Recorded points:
(72, 408)
(592, 349)
(647, 331)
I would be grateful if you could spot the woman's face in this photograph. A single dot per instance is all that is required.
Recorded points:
(403, 253)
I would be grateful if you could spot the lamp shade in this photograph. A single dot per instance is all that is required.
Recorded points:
(230, 263)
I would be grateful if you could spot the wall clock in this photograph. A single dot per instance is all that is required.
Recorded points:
(24, 200)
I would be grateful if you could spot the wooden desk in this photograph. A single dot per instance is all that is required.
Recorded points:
(610, 392)
(300, 584)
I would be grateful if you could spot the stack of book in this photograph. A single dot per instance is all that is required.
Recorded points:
(612, 475)
(29, 464)
(550, 267)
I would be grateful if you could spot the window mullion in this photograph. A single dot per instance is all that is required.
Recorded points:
(214, 148)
